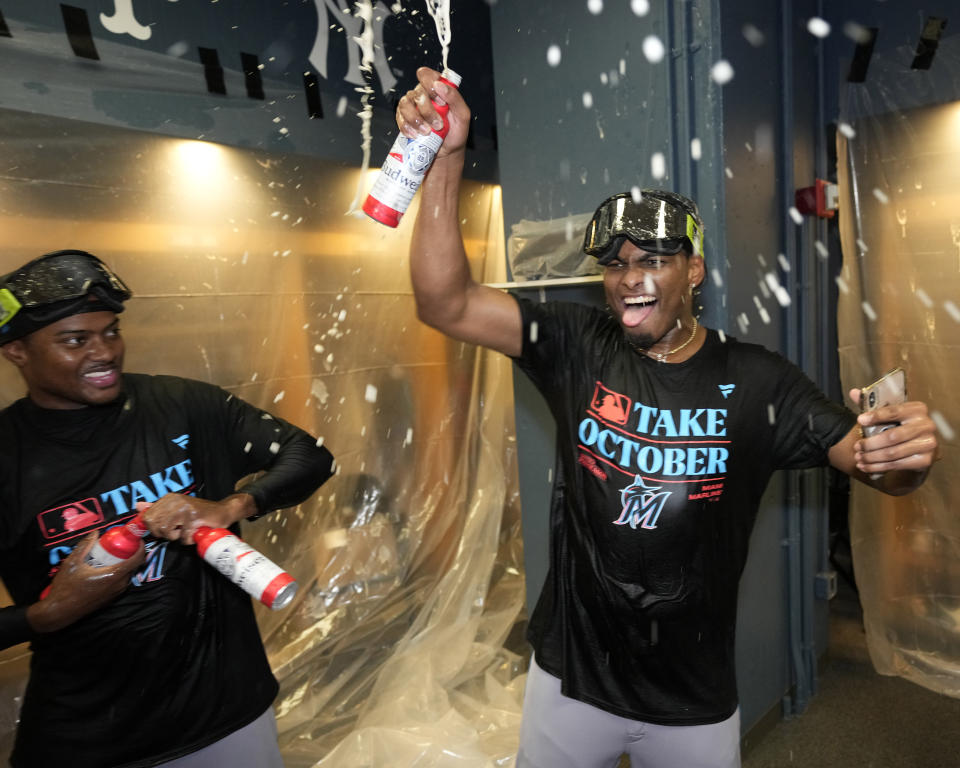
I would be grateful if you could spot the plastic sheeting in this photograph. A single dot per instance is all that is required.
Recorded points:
(540, 250)
(899, 161)
(247, 274)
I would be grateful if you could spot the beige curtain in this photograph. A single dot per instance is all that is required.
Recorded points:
(248, 274)
(899, 162)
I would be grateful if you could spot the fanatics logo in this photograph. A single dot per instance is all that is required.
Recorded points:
(726, 389)
(610, 406)
(70, 518)
(182, 441)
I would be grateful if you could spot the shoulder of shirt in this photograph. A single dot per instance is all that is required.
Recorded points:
(562, 308)
(751, 354)
(165, 381)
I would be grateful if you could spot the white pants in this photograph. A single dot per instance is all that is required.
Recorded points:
(559, 732)
(253, 746)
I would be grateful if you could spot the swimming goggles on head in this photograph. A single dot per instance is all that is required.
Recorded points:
(659, 221)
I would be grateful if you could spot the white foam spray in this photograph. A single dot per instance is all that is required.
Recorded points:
(365, 41)
(440, 11)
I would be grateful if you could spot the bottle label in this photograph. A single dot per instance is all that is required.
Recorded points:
(100, 558)
(404, 169)
(243, 565)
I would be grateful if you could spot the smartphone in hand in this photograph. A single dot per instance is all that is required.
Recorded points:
(889, 389)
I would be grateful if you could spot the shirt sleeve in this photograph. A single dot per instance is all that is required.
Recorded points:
(14, 627)
(553, 336)
(288, 462)
(806, 422)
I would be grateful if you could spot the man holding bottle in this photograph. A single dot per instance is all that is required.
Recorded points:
(667, 434)
(157, 659)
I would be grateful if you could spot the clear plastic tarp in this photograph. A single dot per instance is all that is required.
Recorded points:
(899, 161)
(247, 274)
(539, 250)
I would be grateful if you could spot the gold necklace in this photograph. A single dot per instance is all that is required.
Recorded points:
(662, 356)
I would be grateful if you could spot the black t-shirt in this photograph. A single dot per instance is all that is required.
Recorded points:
(660, 472)
(176, 662)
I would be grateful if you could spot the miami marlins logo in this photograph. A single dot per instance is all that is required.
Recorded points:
(641, 504)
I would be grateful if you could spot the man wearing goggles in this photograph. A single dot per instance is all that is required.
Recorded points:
(157, 659)
(665, 444)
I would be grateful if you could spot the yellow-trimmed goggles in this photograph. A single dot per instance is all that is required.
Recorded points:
(652, 223)
(58, 277)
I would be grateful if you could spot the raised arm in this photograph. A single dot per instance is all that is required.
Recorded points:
(895, 461)
(447, 297)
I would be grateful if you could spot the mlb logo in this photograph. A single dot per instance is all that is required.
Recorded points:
(611, 406)
(70, 518)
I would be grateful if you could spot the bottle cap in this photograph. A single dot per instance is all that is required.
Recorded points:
(120, 542)
(451, 77)
(204, 536)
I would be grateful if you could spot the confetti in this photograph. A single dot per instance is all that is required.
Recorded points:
(868, 310)
(658, 165)
(595, 7)
(587, 100)
(653, 49)
(371, 394)
(943, 426)
(881, 195)
(753, 35)
(553, 55)
(722, 72)
(640, 7)
(818, 27)
(857, 32)
(795, 215)
(696, 150)
(847, 130)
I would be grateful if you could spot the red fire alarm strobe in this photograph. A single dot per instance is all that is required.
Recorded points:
(818, 200)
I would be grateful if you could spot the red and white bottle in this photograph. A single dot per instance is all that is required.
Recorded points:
(250, 570)
(118, 544)
(405, 166)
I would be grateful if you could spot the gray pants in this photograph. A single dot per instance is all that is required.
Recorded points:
(253, 746)
(559, 732)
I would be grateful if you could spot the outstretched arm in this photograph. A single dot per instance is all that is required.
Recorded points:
(447, 297)
(895, 461)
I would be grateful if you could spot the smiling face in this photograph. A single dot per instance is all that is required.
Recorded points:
(72, 363)
(650, 292)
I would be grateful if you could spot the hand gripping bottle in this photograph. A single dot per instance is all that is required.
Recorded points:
(245, 567)
(405, 166)
(118, 544)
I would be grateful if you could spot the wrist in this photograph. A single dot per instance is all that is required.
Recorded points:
(37, 619)
(240, 506)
